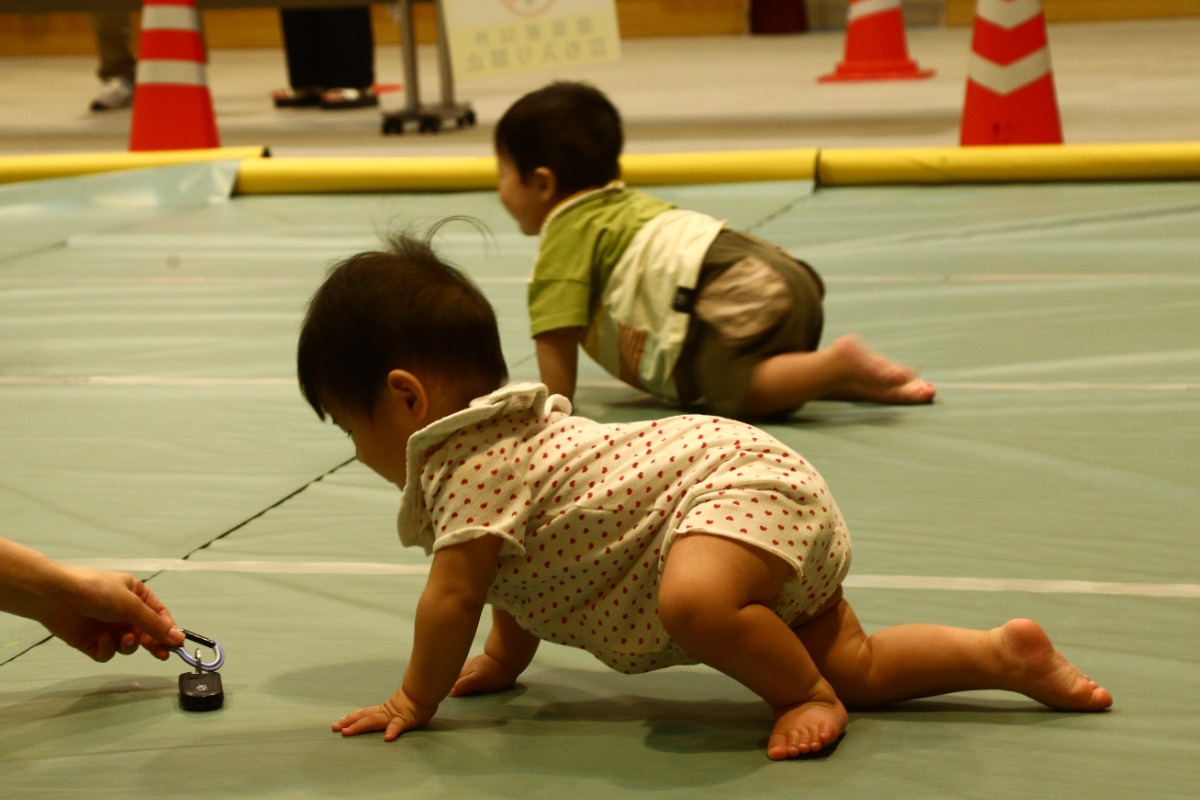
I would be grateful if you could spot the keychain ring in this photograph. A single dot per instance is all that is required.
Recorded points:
(195, 661)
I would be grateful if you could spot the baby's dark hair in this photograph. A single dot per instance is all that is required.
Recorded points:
(570, 128)
(400, 309)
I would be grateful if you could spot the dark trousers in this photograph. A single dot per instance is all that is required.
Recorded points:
(329, 48)
(112, 40)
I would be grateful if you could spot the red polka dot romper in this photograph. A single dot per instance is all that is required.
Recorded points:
(588, 513)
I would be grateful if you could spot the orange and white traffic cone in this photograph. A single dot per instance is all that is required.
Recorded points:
(876, 49)
(172, 108)
(1010, 85)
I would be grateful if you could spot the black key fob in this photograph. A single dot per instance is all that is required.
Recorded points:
(201, 691)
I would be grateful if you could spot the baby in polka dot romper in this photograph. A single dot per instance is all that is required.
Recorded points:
(686, 540)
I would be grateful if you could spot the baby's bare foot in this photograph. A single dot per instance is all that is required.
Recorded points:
(877, 379)
(805, 728)
(1041, 672)
(915, 392)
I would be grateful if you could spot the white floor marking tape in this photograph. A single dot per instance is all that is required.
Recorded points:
(912, 582)
(987, 386)
(925, 582)
(1068, 386)
(145, 565)
(136, 380)
(995, 386)
(517, 280)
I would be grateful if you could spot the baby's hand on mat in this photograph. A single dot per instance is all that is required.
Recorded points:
(483, 674)
(397, 715)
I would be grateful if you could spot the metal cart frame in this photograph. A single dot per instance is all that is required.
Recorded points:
(431, 117)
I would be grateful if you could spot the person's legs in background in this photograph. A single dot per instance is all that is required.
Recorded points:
(301, 44)
(117, 62)
(330, 58)
(348, 58)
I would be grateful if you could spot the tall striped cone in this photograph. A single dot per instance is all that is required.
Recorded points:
(172, 108)
(1010, 86)
(876, 49)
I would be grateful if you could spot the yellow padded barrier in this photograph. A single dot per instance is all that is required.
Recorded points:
(1010, 164)
(745, 166)
(313, 175)
(343, 175)
(830, 167)
(67, 165)
(833, 167)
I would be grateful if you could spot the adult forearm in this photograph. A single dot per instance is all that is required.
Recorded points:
(30, 583)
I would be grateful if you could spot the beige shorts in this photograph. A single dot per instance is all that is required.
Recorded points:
(753, 301)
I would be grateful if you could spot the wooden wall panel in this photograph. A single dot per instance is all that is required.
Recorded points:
(71, 34)
(962, 12)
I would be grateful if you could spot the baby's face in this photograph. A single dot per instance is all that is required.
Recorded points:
(522, 199)
(380, 439)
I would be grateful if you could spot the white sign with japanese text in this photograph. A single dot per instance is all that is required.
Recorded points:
(494, 36)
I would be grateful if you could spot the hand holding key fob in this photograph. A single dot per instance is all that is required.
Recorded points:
(201, 690)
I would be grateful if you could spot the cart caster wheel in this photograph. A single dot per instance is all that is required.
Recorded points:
(429, 124)
(392, 125)
(467, 120)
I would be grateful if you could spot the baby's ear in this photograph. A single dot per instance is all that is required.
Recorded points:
(545, 182)
(406, 390)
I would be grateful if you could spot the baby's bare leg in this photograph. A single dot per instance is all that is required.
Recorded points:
(846, 370)
(712, 602)
(910, 661)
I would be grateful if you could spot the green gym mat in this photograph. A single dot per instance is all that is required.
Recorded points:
(150, 421)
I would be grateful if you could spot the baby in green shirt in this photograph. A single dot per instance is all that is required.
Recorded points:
(670, 301)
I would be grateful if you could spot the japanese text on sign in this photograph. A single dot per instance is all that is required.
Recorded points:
(493, 36)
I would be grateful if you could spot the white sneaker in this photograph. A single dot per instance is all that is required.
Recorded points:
(117, 93)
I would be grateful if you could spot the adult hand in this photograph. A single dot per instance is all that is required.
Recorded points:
(105, 613)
